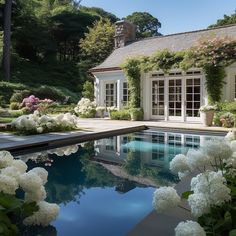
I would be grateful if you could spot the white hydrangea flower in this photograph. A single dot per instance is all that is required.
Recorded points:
(41, 172)
(189, 228)
(8, 184)
(182, 175)
(20, 166)
(6, 159)
(196, 159)
(229, 136)
(30, 182)
(36, 196)
(179, 164)
(199, 204)
(233, 145)
(165, 198)
(39, 130)
(12, 172)
(217, 150)
(209, 189)
(47, 213)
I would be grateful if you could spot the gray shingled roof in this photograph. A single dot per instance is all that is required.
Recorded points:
(174, 42)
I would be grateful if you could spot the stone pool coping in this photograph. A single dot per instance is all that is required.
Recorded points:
(92, 129)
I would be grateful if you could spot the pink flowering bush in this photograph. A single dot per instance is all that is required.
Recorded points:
(34, 103)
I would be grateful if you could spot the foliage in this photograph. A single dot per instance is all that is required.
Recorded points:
(136, 114)
(227, 20)
(217, 117)
(120, 115)
(227, 106)
(100, 13)
(98, 43)
(88, 90)
(133, 73)
(147, 25)
(227, 120)
(15, 105)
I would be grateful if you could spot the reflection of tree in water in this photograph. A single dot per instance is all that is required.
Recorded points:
(70, 176)
(135, 166)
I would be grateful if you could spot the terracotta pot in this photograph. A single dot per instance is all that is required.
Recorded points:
(207, 117)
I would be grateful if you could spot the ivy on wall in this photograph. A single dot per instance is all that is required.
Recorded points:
(212, 54)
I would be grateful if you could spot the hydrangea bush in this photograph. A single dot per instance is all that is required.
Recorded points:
(30, 209)
(212, 195)
(85, 108)
(36, 123)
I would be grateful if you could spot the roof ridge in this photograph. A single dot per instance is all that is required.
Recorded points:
(186, 32)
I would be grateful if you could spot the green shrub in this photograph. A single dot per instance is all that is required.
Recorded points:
(90, 114)
(19, 96)
(7, 89)
(217, 118)
(136, 113)
(88, 90)
(15, 106)
(120, 115)
(227, 106)
(25, 111)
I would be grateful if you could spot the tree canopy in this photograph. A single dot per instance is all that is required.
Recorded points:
(227, 20)
(147, 25)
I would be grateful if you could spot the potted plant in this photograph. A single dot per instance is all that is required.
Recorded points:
(100, 111)
(207, 114)
(136, 114)
(110, 110)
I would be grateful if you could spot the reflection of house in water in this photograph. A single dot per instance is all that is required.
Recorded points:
(155, 148)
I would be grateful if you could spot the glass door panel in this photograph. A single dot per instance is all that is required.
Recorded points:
(158, 98)
(175, 97)
(110, 95)
(193, 96)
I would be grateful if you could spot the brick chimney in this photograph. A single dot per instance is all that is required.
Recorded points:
(125, 32)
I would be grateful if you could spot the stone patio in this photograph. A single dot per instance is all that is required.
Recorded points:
(96, 128)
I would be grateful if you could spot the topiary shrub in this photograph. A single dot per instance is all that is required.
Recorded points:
(120, 115)
(15, 106)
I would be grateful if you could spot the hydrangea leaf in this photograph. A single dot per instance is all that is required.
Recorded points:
(186, 194)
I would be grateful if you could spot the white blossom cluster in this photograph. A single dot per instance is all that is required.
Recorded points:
(13, 175)
(189, 228)
(215, 160)
(85, 106)
(165, 198)
(209, 189)
(36, 123)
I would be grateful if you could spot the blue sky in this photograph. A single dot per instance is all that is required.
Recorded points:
(175, 15)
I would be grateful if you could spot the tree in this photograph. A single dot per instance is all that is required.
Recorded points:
(147, 25)
(88, 90)
(98, 43)
(227, 20)
(7, 39)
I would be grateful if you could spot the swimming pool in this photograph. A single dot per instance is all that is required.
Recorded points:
(105, 187)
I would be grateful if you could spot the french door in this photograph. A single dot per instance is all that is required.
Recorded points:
(158, 99)
(176, 99)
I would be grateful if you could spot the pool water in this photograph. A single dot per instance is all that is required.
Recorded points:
(105, 187)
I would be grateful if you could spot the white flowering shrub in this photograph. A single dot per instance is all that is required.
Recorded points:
(29, 210)
(212, 195)
(37, 124)
(85, 108)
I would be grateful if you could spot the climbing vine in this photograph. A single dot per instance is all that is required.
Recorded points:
(211, 54)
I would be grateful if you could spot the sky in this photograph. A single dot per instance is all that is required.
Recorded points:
(175, 15)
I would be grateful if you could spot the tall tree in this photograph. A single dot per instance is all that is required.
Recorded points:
(98, 43)
(7, 39)
(227, 20)
(147, 25)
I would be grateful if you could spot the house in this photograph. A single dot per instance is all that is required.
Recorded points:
(173, 96)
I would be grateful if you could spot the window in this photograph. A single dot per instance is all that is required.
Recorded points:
(125, 94)
(110, 95)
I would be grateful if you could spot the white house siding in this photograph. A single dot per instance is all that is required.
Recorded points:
(118, 78)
